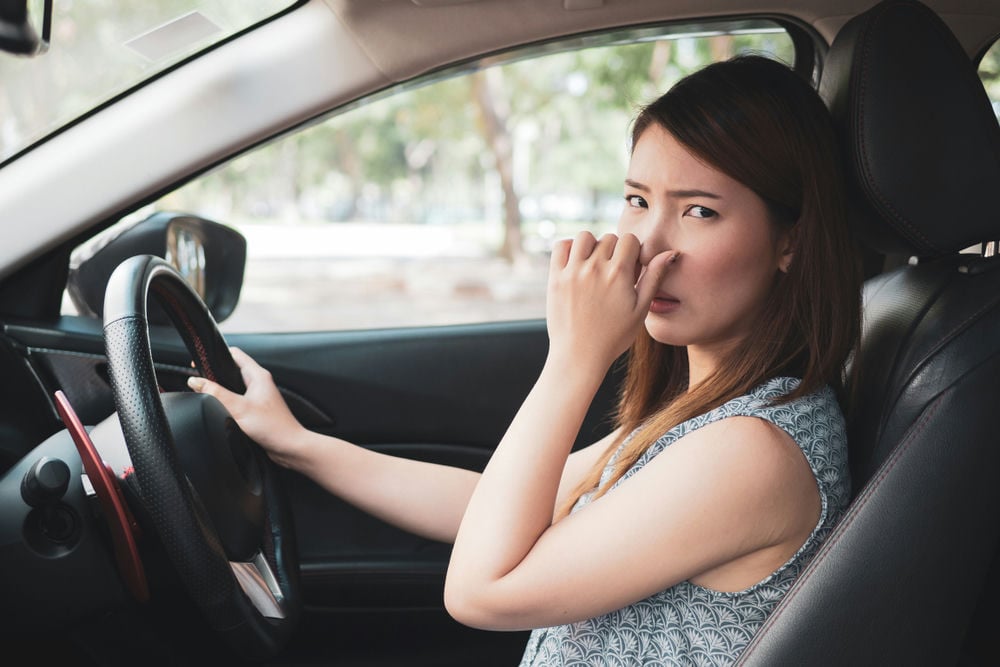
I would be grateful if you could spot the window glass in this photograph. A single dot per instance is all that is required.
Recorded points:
(438, 203)
(91, 59)
(989, 73)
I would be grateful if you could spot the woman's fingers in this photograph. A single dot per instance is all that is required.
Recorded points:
(621, 254)
(583, 246)
(586, 247)
(560, 255)
(625, 255)
(248, 369)
(606, 246)
(203, 386)
(649, 281)
(241, 358)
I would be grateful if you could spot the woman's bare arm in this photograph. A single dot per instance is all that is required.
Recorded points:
(427, 499)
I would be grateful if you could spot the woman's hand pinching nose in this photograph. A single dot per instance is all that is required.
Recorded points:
(649, 281)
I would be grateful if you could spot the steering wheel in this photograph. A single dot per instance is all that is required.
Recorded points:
(212, 495)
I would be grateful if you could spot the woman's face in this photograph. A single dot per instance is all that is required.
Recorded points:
(730, 251)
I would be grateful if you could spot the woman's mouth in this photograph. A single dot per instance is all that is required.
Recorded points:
(664, 303)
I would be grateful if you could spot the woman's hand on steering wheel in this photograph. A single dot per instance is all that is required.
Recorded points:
(261, 412)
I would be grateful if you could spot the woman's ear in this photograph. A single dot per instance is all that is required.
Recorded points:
(787, 246)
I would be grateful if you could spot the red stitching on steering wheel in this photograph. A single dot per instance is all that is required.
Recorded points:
(195, 338)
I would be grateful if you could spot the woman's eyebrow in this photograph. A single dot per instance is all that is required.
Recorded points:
(682, 194)
(677, 194)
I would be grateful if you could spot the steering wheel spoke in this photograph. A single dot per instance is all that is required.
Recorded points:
(259, 583)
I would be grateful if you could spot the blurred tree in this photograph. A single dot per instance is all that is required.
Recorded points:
(491, 99)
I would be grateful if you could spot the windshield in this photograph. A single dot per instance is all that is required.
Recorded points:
(100, 48)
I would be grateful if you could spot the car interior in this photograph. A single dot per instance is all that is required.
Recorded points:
(909, 576)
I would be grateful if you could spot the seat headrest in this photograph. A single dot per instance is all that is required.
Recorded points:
(922, 143)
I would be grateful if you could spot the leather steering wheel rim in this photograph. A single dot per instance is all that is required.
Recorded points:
(255, 629)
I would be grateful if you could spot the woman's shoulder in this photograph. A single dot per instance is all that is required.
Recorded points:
(768, 401)
(814, 421)
(813, 418)
(770, 398)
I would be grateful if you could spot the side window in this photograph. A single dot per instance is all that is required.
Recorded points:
(438, 203)
(989, 73)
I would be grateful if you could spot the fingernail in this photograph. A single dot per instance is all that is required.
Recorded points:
(673, 258)
(196, 383)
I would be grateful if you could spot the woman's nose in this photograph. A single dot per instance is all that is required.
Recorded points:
(652, 230)
(652, 244)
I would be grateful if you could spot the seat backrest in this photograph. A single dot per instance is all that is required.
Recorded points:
(905, 578)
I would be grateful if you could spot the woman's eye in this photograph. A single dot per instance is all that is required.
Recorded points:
(635, 201)
(701, 212)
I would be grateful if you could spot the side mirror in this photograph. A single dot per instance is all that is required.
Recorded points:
(19, 30)
(210, 256)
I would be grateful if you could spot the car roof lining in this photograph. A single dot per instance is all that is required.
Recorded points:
(403, 37)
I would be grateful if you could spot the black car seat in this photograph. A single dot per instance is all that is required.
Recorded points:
(909, 575)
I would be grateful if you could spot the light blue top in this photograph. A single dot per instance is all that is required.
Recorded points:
(689, 624)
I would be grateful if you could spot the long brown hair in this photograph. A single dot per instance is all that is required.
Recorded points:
(760, 123)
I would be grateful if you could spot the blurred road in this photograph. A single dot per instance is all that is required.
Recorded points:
(317, 278)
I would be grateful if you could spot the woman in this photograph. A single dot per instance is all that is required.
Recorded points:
(670, 540)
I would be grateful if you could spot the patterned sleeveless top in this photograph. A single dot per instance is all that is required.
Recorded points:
(689, 624)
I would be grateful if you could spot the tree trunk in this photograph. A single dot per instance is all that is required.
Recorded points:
(721, 47)
(658, 61)
(487, 89)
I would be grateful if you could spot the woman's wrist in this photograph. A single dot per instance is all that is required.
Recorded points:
(295, 449)
(575, 369)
